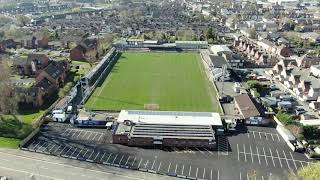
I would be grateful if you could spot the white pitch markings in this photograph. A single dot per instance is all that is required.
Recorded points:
(251, 154)
(238, 152)
(265, 157)
(245, 154)
(272, 158)
(293, 161)
(279, 158)
(286, 159)
(258, 155)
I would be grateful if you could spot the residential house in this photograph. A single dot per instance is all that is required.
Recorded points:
(86, 50)
(34, 41)
(311, 36)
(32, 65)
(306, 61)
(315, 70)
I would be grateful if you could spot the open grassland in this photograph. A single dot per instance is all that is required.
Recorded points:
(174, 81)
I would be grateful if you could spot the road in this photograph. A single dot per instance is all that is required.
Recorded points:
(17, 164)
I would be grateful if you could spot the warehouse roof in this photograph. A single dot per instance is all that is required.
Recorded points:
(170, 117)
(172, 131)
(246, 106)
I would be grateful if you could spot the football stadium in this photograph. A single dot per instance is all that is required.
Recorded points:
(166, 81)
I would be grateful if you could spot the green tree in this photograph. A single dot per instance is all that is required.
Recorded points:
(284, 117)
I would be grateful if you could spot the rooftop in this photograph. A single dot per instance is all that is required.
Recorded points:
(170, 117)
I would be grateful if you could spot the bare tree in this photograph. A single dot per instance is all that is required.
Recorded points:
(8, 100)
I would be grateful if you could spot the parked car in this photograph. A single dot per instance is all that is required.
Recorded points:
(225, 99)
(300, 111)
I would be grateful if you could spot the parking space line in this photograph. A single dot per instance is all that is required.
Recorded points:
(258, 155)
(272, 158)
(286, 159)
(182, 169)
(75, 131)
(80, 152)
(262, 177)
(65, 132)
(68, 150)
(240, 176)
(121, 160)
(169, 167)
(302, 165)
(88, 137)
(85, 153)
(91, 154)
(134, 160)
(204, 172)
(100, 137)
(189, 170)
(40, 146)
(159, 166)
(140, 163)
(74, 151)
(238, 152)
(102, 156)
(208, 151)
(260, 135)
(95, 136)
(57, 148)
(34, 147)
(146, 164)
(71, 130)
(52, 147)
(272, 137)
(175, 170)
(83, 136)
(62, 149)
(245, 154)
(197, 173)
(109, 157)
(266, 136)
(218, 174)
(279, 157)
(199, 150)
(127, 161)
(251, 154)
(293, 161)
(97, 155)
(211, 174)
(248, 134)
(114, 158)
(278, 137)
(265, 157)
(254, 135)
(153, 164)
(79, 134)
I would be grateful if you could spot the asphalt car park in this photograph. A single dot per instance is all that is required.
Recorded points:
(258, 149)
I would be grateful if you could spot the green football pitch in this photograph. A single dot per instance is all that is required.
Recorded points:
(170, 81)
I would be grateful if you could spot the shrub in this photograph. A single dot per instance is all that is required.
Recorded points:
(284, 117)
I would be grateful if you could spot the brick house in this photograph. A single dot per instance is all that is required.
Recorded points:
(86, 50)
(34, 41)
(33, 65)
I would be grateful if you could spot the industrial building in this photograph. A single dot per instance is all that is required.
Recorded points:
(166, 128)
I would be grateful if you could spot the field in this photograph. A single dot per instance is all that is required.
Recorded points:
(174, 81)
